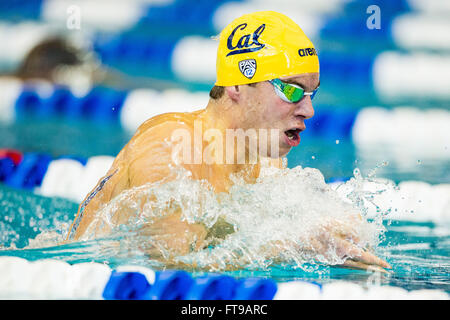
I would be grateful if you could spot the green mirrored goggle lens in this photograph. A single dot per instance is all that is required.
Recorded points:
(290, 92)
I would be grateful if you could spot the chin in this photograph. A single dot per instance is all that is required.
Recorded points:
(282, 151)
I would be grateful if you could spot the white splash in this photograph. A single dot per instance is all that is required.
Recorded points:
(288, 216)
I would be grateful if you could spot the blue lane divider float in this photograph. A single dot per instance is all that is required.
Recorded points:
(144, 55)
(332, 122)
(55, 279)
(126, 286)
(255, 289)
(184, 16)
(27, 171)
(353, 25)
(212, 287)
(100, 104)
(30, 172)
(347, 68)
(170, 285)
(24, 9)
(9, 159)
(104, 106)
(179, 285)
(7, 167)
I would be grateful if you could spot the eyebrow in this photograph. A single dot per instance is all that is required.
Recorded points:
(300, 85)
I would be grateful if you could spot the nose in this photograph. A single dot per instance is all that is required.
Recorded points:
(304, 108)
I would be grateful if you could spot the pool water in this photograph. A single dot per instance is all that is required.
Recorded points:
(32, 225)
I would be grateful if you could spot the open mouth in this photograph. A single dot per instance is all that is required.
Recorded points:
(293, 137)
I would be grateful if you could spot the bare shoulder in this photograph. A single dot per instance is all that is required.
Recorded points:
(149, 154)
(166, 121)
(161, 127)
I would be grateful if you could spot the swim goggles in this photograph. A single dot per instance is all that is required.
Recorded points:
(290, 92)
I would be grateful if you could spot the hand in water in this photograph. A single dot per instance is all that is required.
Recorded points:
(341, 238)
(169, 237)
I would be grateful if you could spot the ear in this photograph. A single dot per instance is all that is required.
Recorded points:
(234, 93)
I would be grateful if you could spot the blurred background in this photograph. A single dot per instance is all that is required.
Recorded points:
(78, 77)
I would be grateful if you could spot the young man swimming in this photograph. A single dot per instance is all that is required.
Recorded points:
(267, 75)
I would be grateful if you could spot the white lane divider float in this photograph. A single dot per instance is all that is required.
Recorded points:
(11, 89)
(421, 31)
(51, 279)
(392, 75)
(143, 104)
(112, 16)
(69, 179)
(404, 136)
(431, 6)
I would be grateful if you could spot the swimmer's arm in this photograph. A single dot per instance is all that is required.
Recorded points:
(219, 231)
(165, 238)
(183, 239)
(358, 258)
(275, 251)
(170, 236)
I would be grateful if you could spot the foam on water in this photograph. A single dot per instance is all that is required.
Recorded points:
(285, 211)
(288, 216)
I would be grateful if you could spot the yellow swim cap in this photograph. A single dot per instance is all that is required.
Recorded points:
(262, 46)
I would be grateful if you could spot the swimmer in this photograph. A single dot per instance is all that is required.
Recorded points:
(267, 75)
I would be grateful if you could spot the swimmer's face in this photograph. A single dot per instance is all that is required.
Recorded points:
(262, 108)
